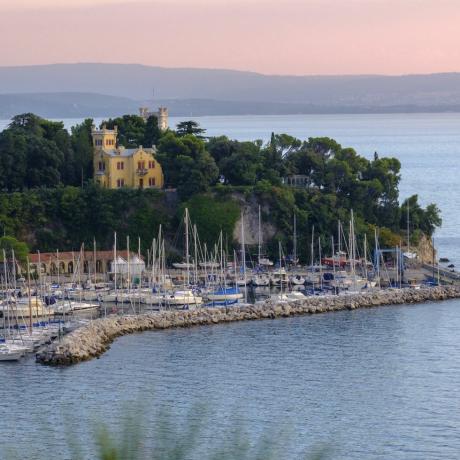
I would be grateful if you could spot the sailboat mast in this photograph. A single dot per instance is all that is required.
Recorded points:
(339, 238)
(377, 256)
(94, 261)
(129, 264)
(39, 274)
(139, 259)
(6, 276)
(222, 260)
(28, 293)
(408, 229)
(115, 261)
(243, 255)
(205, 264)
(365, 256)
(195, 250)
(295, 240)
(312, 247)
(353, 249)
(80, 259)
(14, 270)
(333, 264)
(259, 249)
(320, 264)
(187, 247)
(58, 267)
(280, 269)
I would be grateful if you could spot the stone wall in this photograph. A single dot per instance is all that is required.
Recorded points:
(94, 339)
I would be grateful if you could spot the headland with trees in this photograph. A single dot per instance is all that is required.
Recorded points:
(49, 200)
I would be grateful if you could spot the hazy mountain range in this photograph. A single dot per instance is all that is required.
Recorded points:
(78, 90)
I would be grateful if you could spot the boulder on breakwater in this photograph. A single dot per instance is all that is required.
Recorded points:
(94, 339)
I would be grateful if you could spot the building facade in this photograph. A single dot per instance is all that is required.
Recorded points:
(117, 167)
(161, 114)
(87, 262)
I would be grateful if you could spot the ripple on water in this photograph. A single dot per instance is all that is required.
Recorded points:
(374, 384)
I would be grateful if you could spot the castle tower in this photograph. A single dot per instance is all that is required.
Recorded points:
(104, 139)
(163, 118)
(144, 113)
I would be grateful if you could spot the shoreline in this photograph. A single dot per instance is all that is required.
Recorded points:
(94, 339)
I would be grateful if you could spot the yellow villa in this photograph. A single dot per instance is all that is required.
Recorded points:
(117, 167)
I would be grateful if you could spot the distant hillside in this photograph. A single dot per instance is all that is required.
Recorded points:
(66, 105)
(110, 89)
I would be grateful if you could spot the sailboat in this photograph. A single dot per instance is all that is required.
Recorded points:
(11, 352)
(228, 294)
(279, 277)
(262, 260)
(261, 278)
(185, 264)
(185, 296)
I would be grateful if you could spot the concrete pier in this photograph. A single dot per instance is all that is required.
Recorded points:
(94, 339)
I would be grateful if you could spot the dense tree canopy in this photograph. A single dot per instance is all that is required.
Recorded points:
(133, 131)
(331, 181)
(186, 163)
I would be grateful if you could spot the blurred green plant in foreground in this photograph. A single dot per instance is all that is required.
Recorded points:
(196, 435)
(190, 439)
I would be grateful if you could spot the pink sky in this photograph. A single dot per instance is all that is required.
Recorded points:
(277, 37)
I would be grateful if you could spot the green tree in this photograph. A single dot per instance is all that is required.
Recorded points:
(426, 220)
(244, 166)
(82, 146)
(131, 130)
(185, 128)
(152, 133)
(44, 163)
(9, 244)
(186, 164)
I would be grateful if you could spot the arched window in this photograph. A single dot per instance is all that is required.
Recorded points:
(98, 266)
(70, 268)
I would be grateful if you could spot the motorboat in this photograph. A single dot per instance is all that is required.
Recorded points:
(261, 279)
(65, 307)
(297, 280)
(10, 352)
(279, 277)
(183, 266)
(182, 298)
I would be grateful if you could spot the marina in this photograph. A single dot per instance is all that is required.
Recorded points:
(37, 311)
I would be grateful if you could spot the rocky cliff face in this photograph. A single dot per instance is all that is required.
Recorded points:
(250, 210)
(424, 250)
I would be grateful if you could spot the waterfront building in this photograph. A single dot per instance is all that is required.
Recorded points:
(161, 114)
(101, 262)
(118, 167)
(297, 181)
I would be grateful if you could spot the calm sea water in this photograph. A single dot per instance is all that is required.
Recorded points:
(428, 146)
(368, 384)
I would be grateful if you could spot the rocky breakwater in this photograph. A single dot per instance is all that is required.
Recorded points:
(95, 338)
